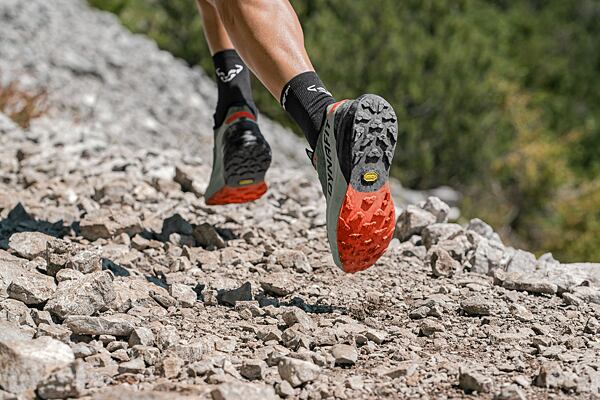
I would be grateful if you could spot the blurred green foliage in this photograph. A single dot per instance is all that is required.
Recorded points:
(498, 98)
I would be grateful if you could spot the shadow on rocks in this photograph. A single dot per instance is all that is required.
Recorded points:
(177, 229)
(115, 268)
(265, 300)
(18, 220)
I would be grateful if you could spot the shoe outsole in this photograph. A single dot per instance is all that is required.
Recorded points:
(246, 159)
(236, 195)
(366, 220)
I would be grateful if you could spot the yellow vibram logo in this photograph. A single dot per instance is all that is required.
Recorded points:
(246, 181)
(370, 176)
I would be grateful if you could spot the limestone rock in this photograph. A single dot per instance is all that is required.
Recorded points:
(442, 264)
(32, 288)
(477, 306)
(141, 336)
(243, 391)
(85, 261)
(566, 276)
(487, 257)
(522, 261)
(551, 375)
(344, 354)
(57, 332)
(61, 254)
(134, 366)
(510, 392)
(149, 354)
(252, 369)
(297, 372)
(412, 221)
(29, 245)
(167, 337)
(429, 327)
(68, 274)
(435, 233)
(107, 223)
(15, 311)
(484, 230)
(84, 296)
(587, 294)
(471, 381)
(67, 382)
(278, 284)
(532, 283)
(436, 207)
(10, 268)
(295, 315)
(184, 294)
(24, 363)
(104, 325)
(293, 259)
(171, 367)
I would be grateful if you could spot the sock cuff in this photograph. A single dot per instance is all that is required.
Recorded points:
(306, 99)
(301, 85)
(233, 83)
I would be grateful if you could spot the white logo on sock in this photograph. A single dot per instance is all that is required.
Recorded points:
(284, 99)
(314, 88)
(232, 73)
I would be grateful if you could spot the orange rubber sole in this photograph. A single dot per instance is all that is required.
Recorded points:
(365, 227)
(233, 195)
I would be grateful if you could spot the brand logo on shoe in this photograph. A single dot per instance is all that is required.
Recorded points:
(243, 182)
(314, 88)
(328, 160)
(370, 176)
(232, 73)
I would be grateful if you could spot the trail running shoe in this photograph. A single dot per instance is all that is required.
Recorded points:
(354, 170)
(241, 157)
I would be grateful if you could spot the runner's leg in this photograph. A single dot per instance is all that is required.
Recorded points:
(232, 75)
(214, 31)
(268, 36)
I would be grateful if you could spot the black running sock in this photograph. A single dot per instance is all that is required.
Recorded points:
(233, 83)
(305, 98)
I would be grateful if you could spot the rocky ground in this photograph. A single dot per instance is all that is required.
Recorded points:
(117, 281)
